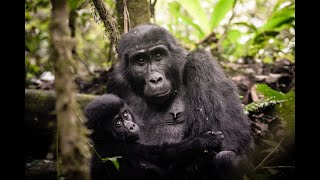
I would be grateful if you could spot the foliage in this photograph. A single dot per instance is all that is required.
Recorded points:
(234, 30)
(255, 106)
(272, 149)
(91, 45)
(285, 104)
(242, 31)
(220, 10)
(114, 160)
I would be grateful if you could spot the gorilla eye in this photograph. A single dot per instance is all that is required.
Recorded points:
(126, 115)
(118, 123)
(141, 61)
(158, 56)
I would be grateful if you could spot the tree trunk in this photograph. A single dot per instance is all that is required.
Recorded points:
(139, 12)
(72, 140)
(119, 7)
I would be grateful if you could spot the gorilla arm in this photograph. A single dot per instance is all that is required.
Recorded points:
(218, 108)
(180, 153)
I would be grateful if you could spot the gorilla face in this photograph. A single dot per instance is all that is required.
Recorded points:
(111, 119)
(149, 65)
(151, 61)
(123, 127)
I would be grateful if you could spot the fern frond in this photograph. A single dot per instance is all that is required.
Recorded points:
(256, 106)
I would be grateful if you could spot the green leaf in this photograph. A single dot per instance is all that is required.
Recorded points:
(255, 106)
(267, 60)
(195, 10)
(286, 108)
(114, 160)
(271, 97)
(283, 16)
(233, 35)
(220, 11)
(275, 8)
(174, 9)
(73, 4)
(250, 26)
(270, 93)
(230, 43)
(287, 112)
(261, 37)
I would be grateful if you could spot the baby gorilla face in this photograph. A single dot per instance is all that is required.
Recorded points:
(111, 119)
(123, 126)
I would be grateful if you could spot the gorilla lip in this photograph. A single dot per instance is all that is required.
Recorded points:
(162, 94)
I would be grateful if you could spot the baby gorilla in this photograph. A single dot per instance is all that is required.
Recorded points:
(111, 118)
(115, 134)
(114, 129)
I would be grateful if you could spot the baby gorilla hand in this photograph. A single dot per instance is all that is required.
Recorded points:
(201, 147)
(209, 142)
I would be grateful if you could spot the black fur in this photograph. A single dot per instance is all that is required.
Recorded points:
(139, 161)
(201, 99)
(100, 114)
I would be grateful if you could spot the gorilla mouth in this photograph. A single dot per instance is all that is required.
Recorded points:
(160, 97)
(162, 94)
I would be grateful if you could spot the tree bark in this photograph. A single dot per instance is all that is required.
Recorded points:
(72, 140)
(139, 13)
(119, 8)
(40, 169)
(108, 21)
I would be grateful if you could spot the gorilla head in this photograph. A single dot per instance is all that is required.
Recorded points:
(152, 61)
(111, 120)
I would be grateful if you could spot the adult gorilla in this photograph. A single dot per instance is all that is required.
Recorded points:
(179, 95)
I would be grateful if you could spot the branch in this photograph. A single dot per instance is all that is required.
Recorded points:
(152, 9)
(40, 101)
(109, 22)
(126, 17)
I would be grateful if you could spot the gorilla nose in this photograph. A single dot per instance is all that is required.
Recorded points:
(155, 81)
(132, 127)
(155, 78)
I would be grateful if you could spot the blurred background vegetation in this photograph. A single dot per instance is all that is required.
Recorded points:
(235, 30)
(253, 40)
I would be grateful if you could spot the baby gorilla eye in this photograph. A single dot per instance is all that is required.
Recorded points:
(126, 115)
(118, 124)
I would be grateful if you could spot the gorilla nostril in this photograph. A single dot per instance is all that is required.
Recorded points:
(131, 128)
(156, 81)
(153, 81)
(159, 79)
